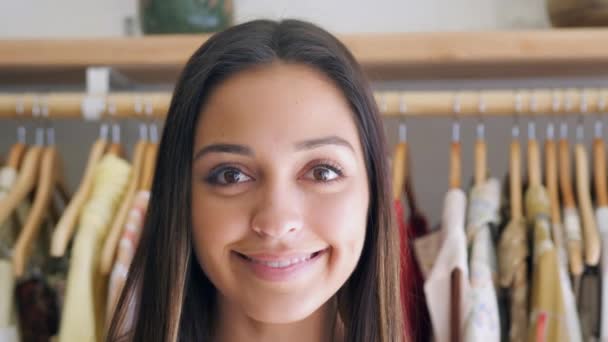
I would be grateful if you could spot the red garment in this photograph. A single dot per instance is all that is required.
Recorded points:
(417, 318)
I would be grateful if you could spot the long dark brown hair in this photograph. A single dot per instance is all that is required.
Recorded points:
(167, 291)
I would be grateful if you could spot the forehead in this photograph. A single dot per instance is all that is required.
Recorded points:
(276, 102)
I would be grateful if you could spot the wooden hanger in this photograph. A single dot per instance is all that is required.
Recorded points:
(151, 152)
(591, 235)
(408, 188)
(48, 179)
(481, 165)
(15, 155)
(399, 166)
(25, 183)
(552, 188)
(149, 166)
(455, 158)
(456, 274)
(455, 165)
(115, 149)
(575, 247)
(66, 226)
(533, 163)
(480, 161)
(515, 183)
(144, 166)
(110, 245)
(599, 158)
(115, 146)
(17, 151)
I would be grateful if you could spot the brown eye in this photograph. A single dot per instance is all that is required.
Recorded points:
(324, 173)
(232, 176)
(227, 176)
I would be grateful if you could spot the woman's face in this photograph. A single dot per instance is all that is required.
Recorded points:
(279, 191)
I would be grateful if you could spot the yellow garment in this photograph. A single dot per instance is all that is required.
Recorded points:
(8, 176)
(8, 235)
(83, 314)
(513, 270)
(547, 316)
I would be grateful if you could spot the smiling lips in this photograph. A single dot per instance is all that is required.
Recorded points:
(278, 262)
(272, 267)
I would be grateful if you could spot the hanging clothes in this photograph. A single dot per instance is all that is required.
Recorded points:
(405, 264)
(39, 291)
(513, 271)
(601, 214)
(84, 313)
(453, 254)
(126, 249)
(418, 324)
(38, 309)
(502, 293)
(572, 226)
(572, 318)
(547, 307)
(8, 328)
(483, 322)
(589, 303)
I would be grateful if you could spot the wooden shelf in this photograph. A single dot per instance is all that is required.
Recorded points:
(405, 56)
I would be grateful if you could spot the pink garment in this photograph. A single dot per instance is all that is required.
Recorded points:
(126, 248)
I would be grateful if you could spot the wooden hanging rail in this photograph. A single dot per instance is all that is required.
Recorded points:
(384, 56)
(499, 102)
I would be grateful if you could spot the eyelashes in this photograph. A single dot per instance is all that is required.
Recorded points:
(319, 171)
(225, 175)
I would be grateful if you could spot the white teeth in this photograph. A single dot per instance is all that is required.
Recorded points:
(283, 263)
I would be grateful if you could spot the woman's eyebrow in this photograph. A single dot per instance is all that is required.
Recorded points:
(247, 151)
(224, 148)
(318, 142)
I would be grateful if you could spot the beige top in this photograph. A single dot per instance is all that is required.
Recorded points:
(84, 308)
(453, 254)
(547, 314)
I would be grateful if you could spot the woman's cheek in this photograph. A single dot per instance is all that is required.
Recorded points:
(216, 226)
(340, 219)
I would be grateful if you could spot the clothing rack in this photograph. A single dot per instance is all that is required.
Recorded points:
(391, 103)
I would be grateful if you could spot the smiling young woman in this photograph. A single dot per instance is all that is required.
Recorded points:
(270, 217)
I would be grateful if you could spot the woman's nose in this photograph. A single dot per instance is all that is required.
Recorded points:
(277, 215)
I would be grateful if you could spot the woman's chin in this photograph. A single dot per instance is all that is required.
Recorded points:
(279, 314)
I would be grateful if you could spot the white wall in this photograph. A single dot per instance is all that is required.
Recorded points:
(91, 18)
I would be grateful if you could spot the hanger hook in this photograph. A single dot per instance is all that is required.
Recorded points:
(21, 130)
(550, 130)
(601, 107)
(456, 124)
(532, 122)
(518, 110)
(115, 125)
(36, 116)
(138, 108)
(402, 124)
(50, 130)
(149, 110)
(580, 131)
(480, 125)
(555, 106)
